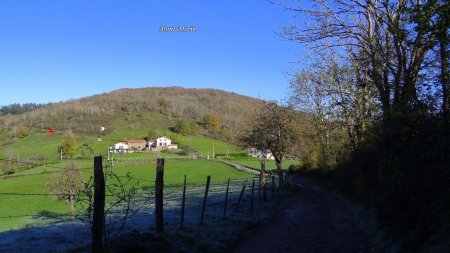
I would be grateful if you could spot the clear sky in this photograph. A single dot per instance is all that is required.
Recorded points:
(53, 50)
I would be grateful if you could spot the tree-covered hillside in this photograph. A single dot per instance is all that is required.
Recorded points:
(145, 108)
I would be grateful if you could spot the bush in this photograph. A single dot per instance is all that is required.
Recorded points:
(185, 127)
(294, 168)
(404, 174)
(22, 132)
(8, 168)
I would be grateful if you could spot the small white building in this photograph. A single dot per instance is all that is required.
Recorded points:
(263, 154)
(162, 143)
(173, 146)
(120, 147)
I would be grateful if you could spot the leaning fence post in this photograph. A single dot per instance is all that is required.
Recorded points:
(263, 180)
(98, 219)
(183, 201)
(208, 179)
(226, 200)
(240, 196)
(159, 186)
(253, 193)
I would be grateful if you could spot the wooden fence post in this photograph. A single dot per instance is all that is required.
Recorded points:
(208, 179)
(98, 219)
(226, 200)
(263, 180)
(183, 202)
(273, 184)
(253, 193)
(286, 180)
(260, 185)
(159, 187)
(240, 196)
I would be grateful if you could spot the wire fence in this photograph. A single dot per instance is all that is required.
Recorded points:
(143, 201)
(49, 167)
(226, 207)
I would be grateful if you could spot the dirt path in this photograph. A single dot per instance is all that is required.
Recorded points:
(313, 220)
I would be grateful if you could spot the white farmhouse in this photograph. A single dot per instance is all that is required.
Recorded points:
(264, 154)
(162, 143)
(120, 147)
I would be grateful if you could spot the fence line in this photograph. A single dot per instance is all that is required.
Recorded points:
(197, 202)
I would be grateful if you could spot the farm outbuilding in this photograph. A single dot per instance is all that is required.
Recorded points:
(137, 145)
(264, 154)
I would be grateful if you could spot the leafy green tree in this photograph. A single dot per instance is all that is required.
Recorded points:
(164, 105)
(69, 146)
(176, 138)
(185, 127)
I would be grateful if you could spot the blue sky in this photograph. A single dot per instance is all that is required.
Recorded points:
(53, 50)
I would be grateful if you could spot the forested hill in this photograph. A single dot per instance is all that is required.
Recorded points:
(17, 108)
(148, 108)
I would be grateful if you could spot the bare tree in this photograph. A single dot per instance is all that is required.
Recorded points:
(121, 191)
(67, 185)
(431, 18)
(332, 92)
(380, 35)
(9, 163)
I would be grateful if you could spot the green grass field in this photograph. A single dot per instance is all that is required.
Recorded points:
(35, 144)
(270, 164)
(46, 145)
(16, 210)
(204, 146)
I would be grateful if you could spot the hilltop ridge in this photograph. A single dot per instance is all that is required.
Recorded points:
(127, 108)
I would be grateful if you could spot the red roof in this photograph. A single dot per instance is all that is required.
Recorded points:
(136, 141)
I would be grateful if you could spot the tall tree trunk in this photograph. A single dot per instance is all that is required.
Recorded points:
(280, 173)
(445, 73)
(72, 206)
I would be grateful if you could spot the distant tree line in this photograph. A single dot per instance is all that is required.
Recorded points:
(17, 108)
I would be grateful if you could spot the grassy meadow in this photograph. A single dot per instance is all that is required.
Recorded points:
(204, 146)
(270, 164)
(18, 211)
(41, 149)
